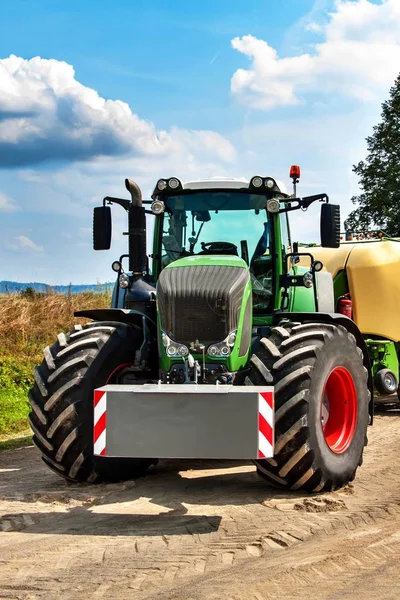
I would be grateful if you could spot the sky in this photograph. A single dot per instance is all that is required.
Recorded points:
(93, 92)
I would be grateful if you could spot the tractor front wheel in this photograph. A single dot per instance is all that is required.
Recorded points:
(62, 400)
(321, 405)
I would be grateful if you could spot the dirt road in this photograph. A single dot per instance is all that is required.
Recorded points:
(201, 531)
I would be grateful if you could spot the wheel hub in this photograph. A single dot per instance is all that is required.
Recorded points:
(390, 382)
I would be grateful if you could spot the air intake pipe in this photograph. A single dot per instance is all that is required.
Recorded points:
(137, 230)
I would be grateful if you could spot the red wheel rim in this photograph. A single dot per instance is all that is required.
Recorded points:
(339, 410)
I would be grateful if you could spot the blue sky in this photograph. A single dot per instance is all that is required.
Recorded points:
(163, 58)
(201, 89)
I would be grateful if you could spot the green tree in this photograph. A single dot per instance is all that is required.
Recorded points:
(379, 174)
(28, 293)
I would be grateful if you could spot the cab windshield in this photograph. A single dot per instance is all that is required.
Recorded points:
(221, 222)
(194, 223)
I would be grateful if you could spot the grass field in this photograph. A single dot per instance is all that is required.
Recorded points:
(28, 323)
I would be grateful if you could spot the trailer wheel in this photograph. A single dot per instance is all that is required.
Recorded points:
(61, 400)
(321, 405)
(386, 382)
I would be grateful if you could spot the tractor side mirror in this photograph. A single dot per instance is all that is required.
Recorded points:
(330, 225)
(102, 228)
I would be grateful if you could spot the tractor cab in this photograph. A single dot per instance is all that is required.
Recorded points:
(242, 218)
(214, 217)
(206, 219)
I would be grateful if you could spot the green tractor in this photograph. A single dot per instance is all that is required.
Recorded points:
(222, 347)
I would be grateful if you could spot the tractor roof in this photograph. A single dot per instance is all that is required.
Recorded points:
(225, 183)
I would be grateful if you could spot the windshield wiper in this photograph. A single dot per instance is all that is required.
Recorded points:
(193, 241)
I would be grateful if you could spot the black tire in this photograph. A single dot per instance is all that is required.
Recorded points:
(62, 400)
(298, 360)
(386, 382)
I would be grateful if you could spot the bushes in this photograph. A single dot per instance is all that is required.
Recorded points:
(14, 371)
(15, 380)
(28, 323)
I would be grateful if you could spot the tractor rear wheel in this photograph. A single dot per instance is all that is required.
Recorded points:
(61, 400)
(321, 405)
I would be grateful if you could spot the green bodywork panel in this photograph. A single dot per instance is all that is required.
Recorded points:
(261, 320)
(301, 298)
(235, 361)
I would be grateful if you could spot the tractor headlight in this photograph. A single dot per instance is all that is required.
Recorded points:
(213, 350)
(257, 182)
(123, 281)
(273, 205)
(173, 183)
(318, 266)
(162, 184)
(173, 348)
(224, 348)
(157, 207)
(270, 183)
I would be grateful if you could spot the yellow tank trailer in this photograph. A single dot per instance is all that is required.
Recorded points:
(366, 274)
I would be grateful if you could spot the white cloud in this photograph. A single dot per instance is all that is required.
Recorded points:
(313, 27)
(24, 243)
(211, 142)
(46, 114)
(7, 205)
(312, 21)
(359, 57)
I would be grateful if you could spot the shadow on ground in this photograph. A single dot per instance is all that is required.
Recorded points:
(155, 504)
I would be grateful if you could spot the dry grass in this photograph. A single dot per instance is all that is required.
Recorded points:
(28, 323)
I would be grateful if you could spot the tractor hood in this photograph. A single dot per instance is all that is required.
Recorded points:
(202, 300)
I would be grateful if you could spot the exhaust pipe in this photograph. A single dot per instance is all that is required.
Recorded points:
(137, 230)
(135, 192)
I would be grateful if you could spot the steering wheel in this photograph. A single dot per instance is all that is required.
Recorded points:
(218, 248)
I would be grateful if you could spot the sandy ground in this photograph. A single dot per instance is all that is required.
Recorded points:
(201, 530)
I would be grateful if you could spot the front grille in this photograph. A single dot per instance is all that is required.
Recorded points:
(200, 302)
